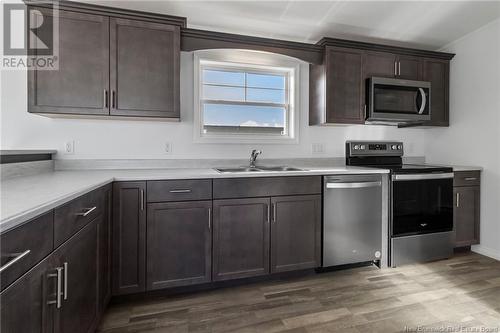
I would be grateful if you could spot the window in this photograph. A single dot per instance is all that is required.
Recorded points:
(244, 101)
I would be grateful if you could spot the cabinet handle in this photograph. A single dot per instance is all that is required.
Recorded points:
(180, 191)
(210, 219)
(274, 212)
(458, 200)
(395, 68)
(399, 68)
(268, 214)
(18, 256)
(58, 276)
(142, 199)
(105, 98)
(87, 211)
(470, 178)
(65, 289)
(113, 99)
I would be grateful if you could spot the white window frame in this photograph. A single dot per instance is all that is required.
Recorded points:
(252, 61)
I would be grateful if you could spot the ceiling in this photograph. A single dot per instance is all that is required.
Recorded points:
(421, 24)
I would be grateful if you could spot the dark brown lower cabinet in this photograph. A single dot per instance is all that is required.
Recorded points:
(179, 244)
(466, 215)
(24, 305)
(241, 238)
(129, 238)
(79, 262)
(295, 233)
(105, 249)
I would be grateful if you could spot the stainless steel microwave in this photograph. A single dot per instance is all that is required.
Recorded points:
(396, 101)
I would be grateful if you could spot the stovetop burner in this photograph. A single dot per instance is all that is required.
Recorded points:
(385, 155)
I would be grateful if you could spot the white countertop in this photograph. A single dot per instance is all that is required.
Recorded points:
(23, 198)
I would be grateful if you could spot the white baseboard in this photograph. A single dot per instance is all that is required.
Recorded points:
(486, 251)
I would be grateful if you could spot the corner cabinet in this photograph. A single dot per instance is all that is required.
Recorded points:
(466, 211)
(338, 86)
(123, 67)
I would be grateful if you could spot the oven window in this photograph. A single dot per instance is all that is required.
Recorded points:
(395, 99)
(422, 206)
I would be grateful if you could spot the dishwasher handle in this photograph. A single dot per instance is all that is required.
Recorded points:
(353, 184)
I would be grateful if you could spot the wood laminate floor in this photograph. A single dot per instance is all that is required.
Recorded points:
(463, 292)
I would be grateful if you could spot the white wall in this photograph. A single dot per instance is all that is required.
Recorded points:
(473, 137)
(146, 139)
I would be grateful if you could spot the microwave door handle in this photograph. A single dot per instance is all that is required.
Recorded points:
(424, 101)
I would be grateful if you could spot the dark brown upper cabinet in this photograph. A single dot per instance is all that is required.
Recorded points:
(295, 233)
(335, 88)
(437, 72)
(145, 69)
(179, 244)
(129, 237)
(120, 67)
(409, 68)
(338, 86)
(80, 84)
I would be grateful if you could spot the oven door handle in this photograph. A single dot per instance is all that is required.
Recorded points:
(354, 184)
(424, 101)
(422, 176)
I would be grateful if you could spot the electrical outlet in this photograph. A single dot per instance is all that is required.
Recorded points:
(317, 148)
(69, 147)
(168, 148)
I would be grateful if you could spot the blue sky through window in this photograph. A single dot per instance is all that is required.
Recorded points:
(242, 87)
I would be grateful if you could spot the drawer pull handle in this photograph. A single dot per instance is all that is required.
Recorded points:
(59, 291)
(180, 191)
(423, 224)
(470, 178)
(65, 288)
(18, 256)
(87, 211)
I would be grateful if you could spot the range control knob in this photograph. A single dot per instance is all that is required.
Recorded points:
(362, 147)
(400, 147)
(356, 147)
(394, 147)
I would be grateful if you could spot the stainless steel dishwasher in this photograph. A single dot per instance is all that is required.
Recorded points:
(352, 219)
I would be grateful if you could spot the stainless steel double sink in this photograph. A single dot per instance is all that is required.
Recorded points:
(258, 169)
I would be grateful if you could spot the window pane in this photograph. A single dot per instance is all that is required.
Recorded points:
(266, 95)
(223, 77)
(234, 117)
(266, 81)
(223, 93)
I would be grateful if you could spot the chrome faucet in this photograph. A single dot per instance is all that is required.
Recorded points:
(253, 157)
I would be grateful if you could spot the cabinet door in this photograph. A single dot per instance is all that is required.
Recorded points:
(145, 70)
(80, 84)
(24, 305)
(437, 72)
(295, 233)
(466, 215)
(105, 250)
(410, 68)
(79, 259)
(344, 102)
(129, 237)
(241, 238)
(179, 244)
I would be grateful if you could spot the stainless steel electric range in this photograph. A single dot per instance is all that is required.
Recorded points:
(421, 202)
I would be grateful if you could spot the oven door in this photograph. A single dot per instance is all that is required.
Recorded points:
(398, 100)
(422, 203)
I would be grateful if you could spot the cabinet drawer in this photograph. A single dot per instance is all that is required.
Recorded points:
(25, 246)
(74, 215)
(467, 178)
(266, 186)
(179, 190)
